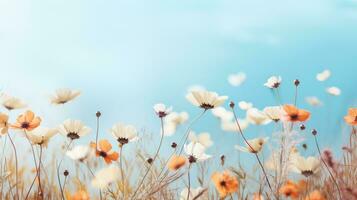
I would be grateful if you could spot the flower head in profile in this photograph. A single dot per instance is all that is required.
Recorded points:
(315, 195)
(294, 114)
(225, 183)
(162, 110)
(243, 105)
(172, 121)
(104, 150)
(124, 133)
(202, 138)
(73, 129)
(195, 194)
(41, 135)
(257, 117)
(80, 153)
(237, 79)
(64, 95)
(255, 145)
(305, 166)
(324, 75)
(4, 124)
(12, 103)
(292, 190)
(27, 121)
(222, 114)
(105, 176)
(176, 162)
(273, 82)
(351, 117)
(231, 126)
(196, 152)
(274, 112)
(205, 99)
(334, 91)
(79, 195)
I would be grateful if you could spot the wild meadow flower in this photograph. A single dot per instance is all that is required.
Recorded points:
(73, 129)
(172, 121)
(351, 117)
(237, 79)
(41, 135)
(4, 125)
(27, 121)
(255, 145)
(79, 153)
(273, 82)
(292, 190)
(315, 195)
(257, 117)
(176, 162)
(324, 75)
(313, 101)
(334, 91)
(124, 133)
(12, 103)
(294, 114)
(104, 150)
(161, 110)
(305, 166)
(231, 126)
(196, 152)
(202, 138)
(243, 105)
(106, 176)
(205, 99)
(273, 112)
(195, 194)
(225, 183)
(222, 114)
(64, 95)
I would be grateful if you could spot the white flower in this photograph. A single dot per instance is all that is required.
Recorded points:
(313, 101)
(237, 79)
(245, 105)
(305, 166)
(197, 151)
(256, 143)
(106, 176)
(124, 133)
(222, 114)
(274, 112)
(257, 117)
(334, 91)
(324, 75)
(193, 194)
(202, 138)
(79, 153)
(205, 99)
(12, 103)
(41, 135)
(73, 129)
(161, 110)
(173, 120)
(273, 82)
(231, 126)
(64, 95)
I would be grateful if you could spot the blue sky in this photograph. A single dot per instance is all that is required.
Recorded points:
(126, 56)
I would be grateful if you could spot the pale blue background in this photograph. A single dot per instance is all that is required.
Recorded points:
(126, 56)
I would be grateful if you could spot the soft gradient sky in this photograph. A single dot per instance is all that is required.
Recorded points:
(126, 56)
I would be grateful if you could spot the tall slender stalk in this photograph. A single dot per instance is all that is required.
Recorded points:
(189, 182)
(122, 170)
(16, 166)
(58, 168)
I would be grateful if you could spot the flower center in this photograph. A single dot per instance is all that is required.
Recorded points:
(294, 117)
(276, 85)
(123, 140)
(206, 106)
(25, 125)
(307, 173)
(73, 135)
(223, 183)
(103, 154)
(162, 114)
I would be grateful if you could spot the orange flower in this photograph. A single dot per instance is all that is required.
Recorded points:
(225, 183)
(27, 121)
(79, 195)
(351, 117)
(176, 162)
(315, 195)
(4, 125)
(293, 114)
(104, 151)
(291, 189)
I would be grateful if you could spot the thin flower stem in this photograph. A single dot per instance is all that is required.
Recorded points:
(97, 134)
(122, 170)
(153, 160)
(58, 168)
(296, 94)
(189, 182)
(323, 161)
(16, 166)
(39, 173)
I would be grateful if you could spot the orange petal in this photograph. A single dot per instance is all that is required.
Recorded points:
(113, 156)
(104, 145)
(303, 115)
(290, 109)
(35, 123)
(352, 112)
(29, 115)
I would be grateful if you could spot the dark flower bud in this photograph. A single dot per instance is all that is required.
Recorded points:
(223, 158)
(231, 104)
(314, 132)
(66, 173)
(173, 145)
(98, 114)
(192, 159)
(296, 82)
(304, 146)
(302, 127)
(150, 160)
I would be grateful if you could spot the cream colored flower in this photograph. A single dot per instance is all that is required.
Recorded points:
(305, 166)
(194, 192)
(73, 129)
(334, 91)
(161, 110)
(256, 143)
(80, 153)
(202, 138)
(64, 95)
(197, 151)
(237, 79)
(274, 112)
(313, 101)
(245, 105)
(4, 124)
(231, 126)
(205, 99)
(12, 103)
(41, 135)
(172, 121)
(324, 75)
(124, 133)
(106, 176)
(222, 114)
(257, 117)
(273, 82)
